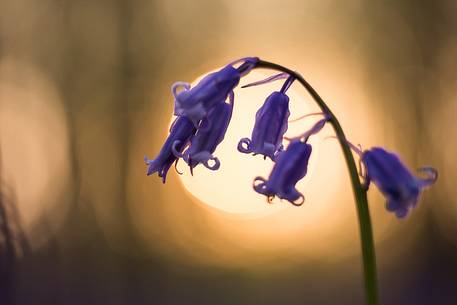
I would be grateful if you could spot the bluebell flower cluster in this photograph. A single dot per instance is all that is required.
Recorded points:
(291, 164)
(290, 167)
(203, 116)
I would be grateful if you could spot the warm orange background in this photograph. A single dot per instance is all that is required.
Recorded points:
(85, 93)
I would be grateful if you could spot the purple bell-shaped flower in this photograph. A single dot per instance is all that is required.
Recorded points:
(181, 131)
(209, 134)
(270, 122)
(399, 186)
(290, 167)
(196, 102)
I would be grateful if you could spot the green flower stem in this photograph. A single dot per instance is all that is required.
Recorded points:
(360, 192)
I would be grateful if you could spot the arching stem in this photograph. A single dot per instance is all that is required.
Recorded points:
(363, 213)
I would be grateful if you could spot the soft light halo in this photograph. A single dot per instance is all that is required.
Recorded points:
(229, 189)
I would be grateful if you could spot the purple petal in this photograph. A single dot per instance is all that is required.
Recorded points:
(213, 167)
(432, 176)
(241, 148)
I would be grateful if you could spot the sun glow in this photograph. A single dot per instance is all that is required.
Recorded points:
(215, 217)
(230, 187)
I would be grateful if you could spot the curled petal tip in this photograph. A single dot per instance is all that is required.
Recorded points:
(432, 175)
(177, 85)
(175, 150)
(213, 167)
(259, 187)
(244, 146)
(299, 201)
(176, 167)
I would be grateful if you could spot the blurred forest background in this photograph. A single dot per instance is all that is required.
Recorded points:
(83, 86)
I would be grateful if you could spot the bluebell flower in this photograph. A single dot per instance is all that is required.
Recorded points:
(395, 181)
(270, 122)
(290, 166)
(209, 134)
(181, 131)
(214, 88)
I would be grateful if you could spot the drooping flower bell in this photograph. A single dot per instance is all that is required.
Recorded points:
(395, 181)
(270, 122)
(181, 131)
(290, 167)
(214, 88)
(209, 134)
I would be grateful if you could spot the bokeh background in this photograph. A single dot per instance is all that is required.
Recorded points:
(84, 94)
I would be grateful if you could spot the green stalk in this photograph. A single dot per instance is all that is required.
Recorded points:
(360, 192)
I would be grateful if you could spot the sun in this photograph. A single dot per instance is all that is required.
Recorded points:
(216, 218)
(230, 188)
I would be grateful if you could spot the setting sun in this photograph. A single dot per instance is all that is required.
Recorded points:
(230, 187)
